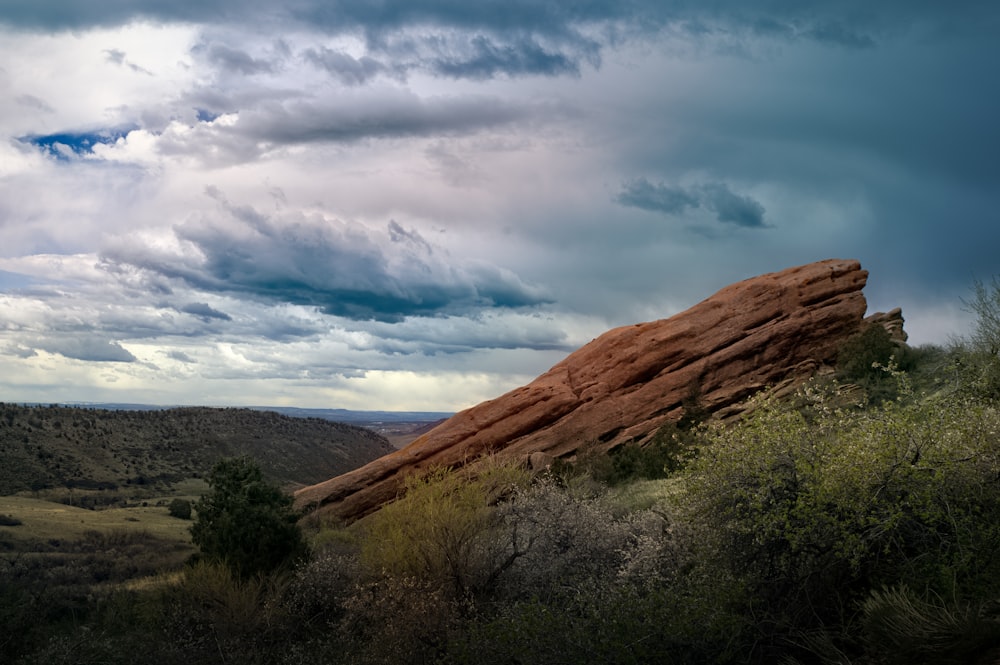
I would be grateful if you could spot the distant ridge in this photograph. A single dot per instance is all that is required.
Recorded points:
(335, 415)
(92, 447)
(348, 416)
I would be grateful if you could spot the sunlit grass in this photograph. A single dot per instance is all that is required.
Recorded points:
(642, 494)
(46, 520)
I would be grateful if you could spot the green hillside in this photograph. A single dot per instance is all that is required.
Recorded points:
(46, 448)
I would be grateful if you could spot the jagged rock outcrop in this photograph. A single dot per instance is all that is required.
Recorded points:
(623, 386)
(892, 321)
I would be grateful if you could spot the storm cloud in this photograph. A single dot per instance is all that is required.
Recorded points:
(729, 208)
(343, 269)
(344, 67)
(204, 311)
(499, 36)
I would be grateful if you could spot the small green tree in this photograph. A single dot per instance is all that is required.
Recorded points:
(245, 522)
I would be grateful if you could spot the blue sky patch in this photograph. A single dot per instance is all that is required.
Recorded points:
(205, 116)
(66, 145)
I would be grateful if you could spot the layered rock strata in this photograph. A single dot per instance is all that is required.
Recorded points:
(626, 384)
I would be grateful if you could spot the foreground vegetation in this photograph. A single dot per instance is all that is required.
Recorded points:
(857, 522)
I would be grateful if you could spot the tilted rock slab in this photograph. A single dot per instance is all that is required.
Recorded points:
(626, 384)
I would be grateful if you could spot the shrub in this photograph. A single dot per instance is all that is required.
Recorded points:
(593, 585)
(180, 508)
(860, 356)
(428, 563)
(246, 523)
(575, 545)
(10, 520)
(803, 516)
(212, 615)
(864, 359)
(978, 356)
(985, 304)
(319, 588)
(401, 620)
(445, 530)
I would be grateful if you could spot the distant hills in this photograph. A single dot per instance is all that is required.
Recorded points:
(116, 446)
(336, 415)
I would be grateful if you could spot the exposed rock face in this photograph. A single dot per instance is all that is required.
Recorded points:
(627, 383)
(892, 321)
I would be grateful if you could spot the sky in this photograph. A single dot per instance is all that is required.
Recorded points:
(422, 204)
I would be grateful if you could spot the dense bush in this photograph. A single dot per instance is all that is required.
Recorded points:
(860, 356)
(804, 517)
(245, 522)
(180, 508)
(865, 360)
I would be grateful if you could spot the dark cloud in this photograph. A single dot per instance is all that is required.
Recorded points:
(344, 67)
(233, 60)
(485, 58)
(346, 270)
(204, 312)
(77, 14)
(486, 38)
(809, 17)
(180, 356)
(729, 207)
(87, 348)
(732, 208)
(644, 195)
(390, 115)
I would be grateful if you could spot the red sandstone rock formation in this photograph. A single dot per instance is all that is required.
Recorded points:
(892, 321)
(627, 383)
